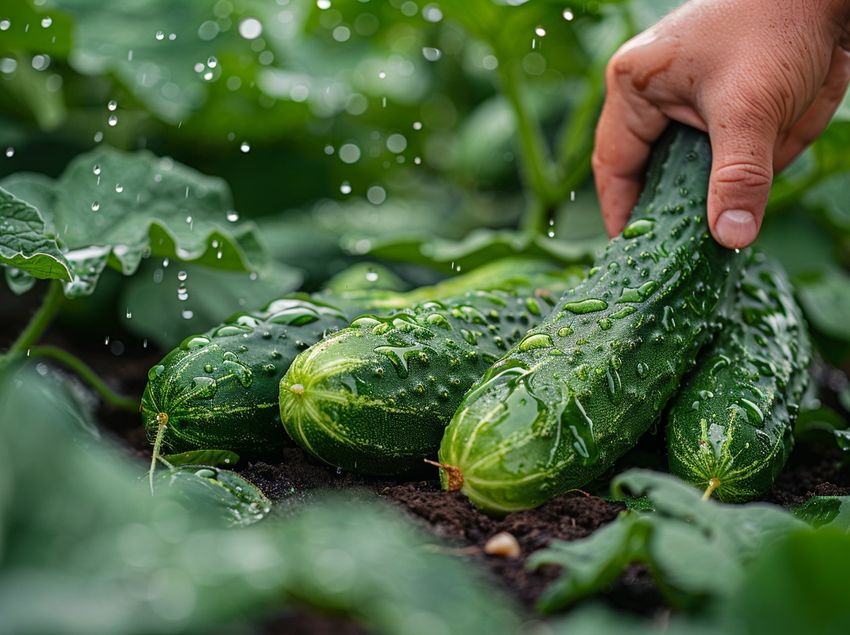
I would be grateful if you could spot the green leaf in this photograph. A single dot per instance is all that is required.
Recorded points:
(234, 499)
(203, 457)
(819, 422)
(25, 245)
(826, 301)
(826, 511)
(115, 208)
(479, 247)
(167, 304)
(593, 563)
(696, 550)
(365, 276)
(798, 585)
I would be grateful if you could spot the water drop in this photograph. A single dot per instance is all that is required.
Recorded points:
(250, 28)
(119, 188)
(638, 228)
(95, 169)
(10, 152)
(345, 187)
(232, 216)
(46, 22)
(590, 305)
(112, 120)
(539, 31)
(568, 15)
(112, 105)
(535, 340)
(245, 147)
(95, 206)
(160, 35)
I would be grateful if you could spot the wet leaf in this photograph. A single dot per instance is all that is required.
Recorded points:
(213, 458)
(111, 208)
(25, 245)
(234, 499)
(167, 304)
(826, 511)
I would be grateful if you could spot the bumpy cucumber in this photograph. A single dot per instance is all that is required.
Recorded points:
(220, 389)
(376, 397)
(730, 428)
(580, 389)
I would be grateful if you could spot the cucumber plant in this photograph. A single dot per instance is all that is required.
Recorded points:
(581, 388)
(376, 397)
(729, 429)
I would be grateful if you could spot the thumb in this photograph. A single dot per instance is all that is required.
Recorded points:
(741, 176)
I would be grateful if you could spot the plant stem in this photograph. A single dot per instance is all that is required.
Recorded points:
(40, 321)
(88, 375)
(536, 164)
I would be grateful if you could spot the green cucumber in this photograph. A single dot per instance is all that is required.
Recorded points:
(580, 389)
(220, 389)
(376, 397)
(730, 428)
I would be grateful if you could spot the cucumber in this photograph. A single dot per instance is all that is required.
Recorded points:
(580, 389)
(729, 429)
(220, 389)
(376, 397)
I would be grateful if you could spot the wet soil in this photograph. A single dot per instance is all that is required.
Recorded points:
(448, 517)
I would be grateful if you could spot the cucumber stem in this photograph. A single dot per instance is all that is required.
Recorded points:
(88, 375)
(454, 475)
(713, 484)
(42, 318)
(162, 425)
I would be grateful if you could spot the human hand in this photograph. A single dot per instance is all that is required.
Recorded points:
(762, 77)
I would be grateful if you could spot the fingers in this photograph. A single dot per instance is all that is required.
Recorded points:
(741, 176)
(624, 135)
(817, 117)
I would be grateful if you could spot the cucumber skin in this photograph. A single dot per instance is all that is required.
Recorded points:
(245, 358)
(376, 397)
(762, 356)
(246, 420)
(581, 388)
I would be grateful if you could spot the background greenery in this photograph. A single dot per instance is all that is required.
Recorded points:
(428, 136)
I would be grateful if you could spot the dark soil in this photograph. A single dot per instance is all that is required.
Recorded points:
(448, 516)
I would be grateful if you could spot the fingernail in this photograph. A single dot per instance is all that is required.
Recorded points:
(736, 228)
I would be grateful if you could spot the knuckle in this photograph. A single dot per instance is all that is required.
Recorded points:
(744, 173)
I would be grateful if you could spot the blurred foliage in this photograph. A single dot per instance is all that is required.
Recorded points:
(126, 562)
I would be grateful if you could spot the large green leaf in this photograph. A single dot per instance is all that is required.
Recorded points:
(115, 208)
(24, 243)
(167, 304)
